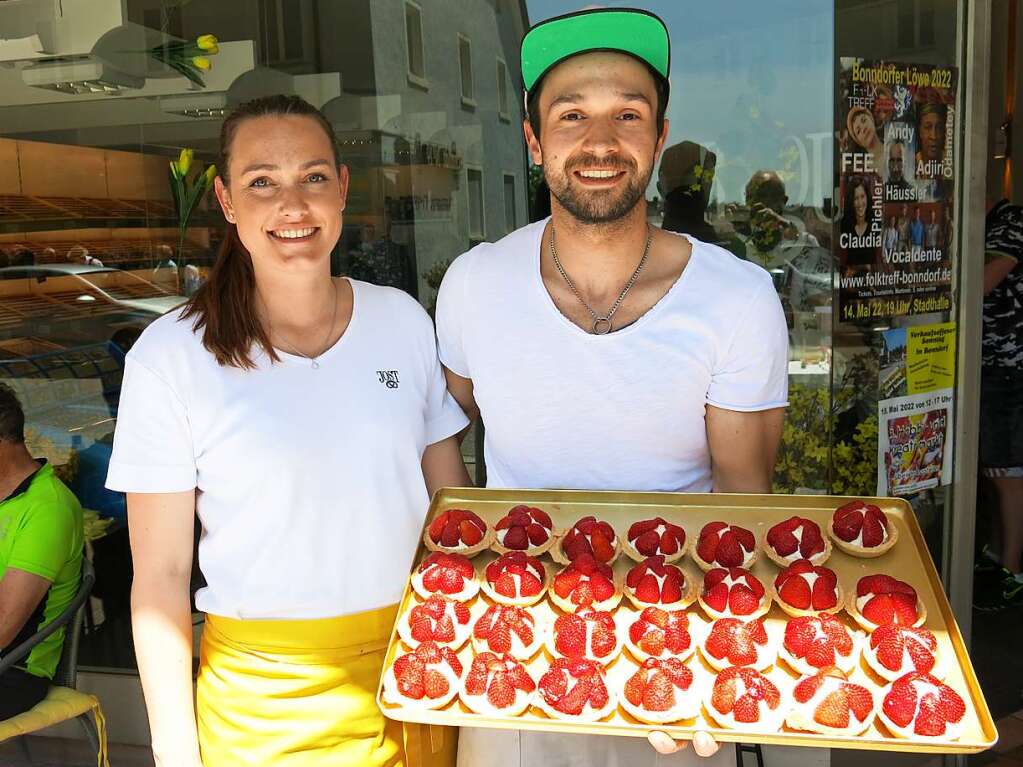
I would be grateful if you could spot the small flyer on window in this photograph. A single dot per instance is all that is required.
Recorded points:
(914, 442)
(896, 127)
(917, 359)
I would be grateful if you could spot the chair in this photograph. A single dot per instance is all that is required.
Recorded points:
(63, 702)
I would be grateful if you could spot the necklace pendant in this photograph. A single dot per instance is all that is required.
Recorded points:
(602, 326)
(316, 365)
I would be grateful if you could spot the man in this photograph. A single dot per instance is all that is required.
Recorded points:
(932, 237)
(931, 119)
(773, 239)
(897, 187)
(917, 232)
(903, 227)
(1001, 412)
(599, 352)
(41, 541)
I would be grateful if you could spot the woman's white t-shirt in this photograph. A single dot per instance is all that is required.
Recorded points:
(310, 486)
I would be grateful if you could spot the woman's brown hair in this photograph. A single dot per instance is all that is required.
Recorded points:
(224, 307)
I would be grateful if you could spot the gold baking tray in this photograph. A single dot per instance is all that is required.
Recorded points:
(908, 560)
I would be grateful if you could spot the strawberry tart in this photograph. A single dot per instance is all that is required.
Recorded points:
(804, 588)
(894, 651)
(515, 578)
(507, 630)
(724, 545)
(862, 529)
(732, 642)
(661, 691)
(654, 583)
(428, 677)
(881, 599)
(797, 538)
(920, 707)
(439, 620)
(733, 593)
(589, 536)
(524, 528)
(657, 633)
(655, 537)
(813, 643)
(575, 689)
(497, 685)
(744, 699)
(829, 704)
(586, 583)
(459, 532)
(586, 633)
(451, 575)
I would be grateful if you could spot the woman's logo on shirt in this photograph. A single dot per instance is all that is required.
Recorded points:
(388, 378)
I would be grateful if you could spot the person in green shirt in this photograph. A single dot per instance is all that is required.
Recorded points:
(41, 540)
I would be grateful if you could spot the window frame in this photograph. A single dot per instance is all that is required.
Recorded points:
(414, 78)
(481, 235)
(468, 99)
(503, 84)
(505, 175)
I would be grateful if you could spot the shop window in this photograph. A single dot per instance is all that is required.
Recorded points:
(474, 190)
(502, 90)
(509, 202)
(414, 43)
(465, 69)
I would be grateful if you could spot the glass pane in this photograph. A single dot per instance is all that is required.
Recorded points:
(94, 246)
(509, 203)
(465, 63)
(502, 88)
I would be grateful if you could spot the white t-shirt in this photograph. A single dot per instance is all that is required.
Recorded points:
(568, 409)
(311, 487)
(564, 408)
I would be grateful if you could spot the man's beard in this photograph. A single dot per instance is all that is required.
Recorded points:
(602, 206)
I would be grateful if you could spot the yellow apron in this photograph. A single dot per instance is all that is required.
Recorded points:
(302, 693)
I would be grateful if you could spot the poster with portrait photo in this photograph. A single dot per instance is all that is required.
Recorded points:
(895, 129)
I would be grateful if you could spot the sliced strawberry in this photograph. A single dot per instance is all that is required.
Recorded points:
(812, 542)
(602, 548)
(782, 539)
(873, 530)
(717, 596)
(538, 534)
(833, 711)
(437, 526)
(796, 592)
(807, 688)
(742, 600)
(860, 701)
(746, 710)
(541, 517)
(570, 636)
(670, 542)
(659, 694)
(471, 534)
(516, 538)
(648, 543)
(824, 595)
(501, 692)
(729, 552)
(449, 537)
(435, 684)
(899, 704)
(637, 529)
(634, 688)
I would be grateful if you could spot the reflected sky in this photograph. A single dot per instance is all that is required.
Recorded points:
(752, 81)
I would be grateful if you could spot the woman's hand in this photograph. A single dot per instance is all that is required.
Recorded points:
(703, 743)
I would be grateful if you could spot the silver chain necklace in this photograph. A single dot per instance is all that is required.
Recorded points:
(315, 361)
(602, 324)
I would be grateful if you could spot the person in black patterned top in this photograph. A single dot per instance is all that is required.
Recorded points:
(1001, 422)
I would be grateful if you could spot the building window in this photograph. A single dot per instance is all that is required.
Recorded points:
(509, 202)
(503, 110)
(465, 65)
(287, 38)
(414, 43)
(915, 24)
(474, 188)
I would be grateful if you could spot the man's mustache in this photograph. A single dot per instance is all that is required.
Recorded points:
(589, 162)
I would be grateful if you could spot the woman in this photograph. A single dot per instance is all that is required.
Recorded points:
(863, 132)
(856, 239)
(305, 421)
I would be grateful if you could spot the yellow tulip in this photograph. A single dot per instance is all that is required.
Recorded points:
(207, 43)
(211, 173)
(201, 62)
(185, 162)
(174, 169)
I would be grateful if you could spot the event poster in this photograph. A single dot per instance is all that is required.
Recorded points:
(914, 442)
(896, 127)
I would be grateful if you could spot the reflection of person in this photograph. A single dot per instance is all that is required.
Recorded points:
(41, 541)
(255, 392)
(931, 119)
(684, 180)
(863, 132)
(705, 407)
(857, 222)
(79, 254)
(891, 237)
(773, 238)
(932, 236)
(1001, 410)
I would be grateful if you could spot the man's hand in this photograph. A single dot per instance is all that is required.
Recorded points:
(703, 743)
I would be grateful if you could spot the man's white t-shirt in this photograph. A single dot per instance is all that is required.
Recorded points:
(310, 485)
(564, 408)
(567, 409)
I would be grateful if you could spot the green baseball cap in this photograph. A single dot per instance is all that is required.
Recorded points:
(631, 31)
